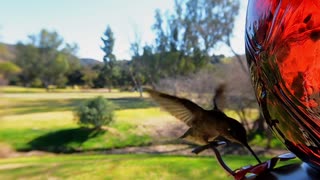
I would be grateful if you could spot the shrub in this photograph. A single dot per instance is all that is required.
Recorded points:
(95, 112)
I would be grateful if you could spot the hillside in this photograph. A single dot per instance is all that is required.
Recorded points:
(89, 62)
(8, 51)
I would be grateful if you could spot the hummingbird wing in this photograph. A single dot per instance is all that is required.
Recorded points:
(182, 109)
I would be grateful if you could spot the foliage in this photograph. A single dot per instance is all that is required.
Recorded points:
(42, 60)
(75, 78)
(89, 75)
(28, 59)
(185, 40)
(53, 63)
(195, 26)
(122, 78)
(108, 41)
(108, 70)
(8, 68)
(95, 112)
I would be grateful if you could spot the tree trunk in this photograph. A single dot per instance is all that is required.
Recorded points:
(136, 84)
(243, 67)
(140, 91)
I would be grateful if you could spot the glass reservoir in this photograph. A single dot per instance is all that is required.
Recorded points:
(283, 52)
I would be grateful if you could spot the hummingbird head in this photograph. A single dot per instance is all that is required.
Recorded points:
(236, 132)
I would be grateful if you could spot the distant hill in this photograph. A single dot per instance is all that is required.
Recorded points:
(10, 51)
(11, 47)
(7, 52)
(89, 62)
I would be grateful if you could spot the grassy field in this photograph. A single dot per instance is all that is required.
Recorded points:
(33, 119)
(130, 166)
(46, 122)
(117, 167)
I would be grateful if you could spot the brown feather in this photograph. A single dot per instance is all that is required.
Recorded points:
(180, 108)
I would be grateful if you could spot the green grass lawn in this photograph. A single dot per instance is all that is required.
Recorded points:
(38, 120)
(118, 167)
(81, 166)
(18, 89)
(57, 131)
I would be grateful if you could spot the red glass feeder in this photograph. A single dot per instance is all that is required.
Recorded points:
(283, 53)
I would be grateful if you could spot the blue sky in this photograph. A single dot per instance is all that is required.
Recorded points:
(83, 22)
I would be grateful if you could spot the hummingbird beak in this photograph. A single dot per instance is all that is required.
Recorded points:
(252, 152)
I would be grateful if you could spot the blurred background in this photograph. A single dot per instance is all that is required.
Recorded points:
(72, 75)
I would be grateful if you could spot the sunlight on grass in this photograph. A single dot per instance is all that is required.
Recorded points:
(137, 116)
(119, 167)
(75, 95)
(38, 120)
(66, 118)
(19, 89)
(251, 114)
(15, 89)
(24, 120)
(53, 127)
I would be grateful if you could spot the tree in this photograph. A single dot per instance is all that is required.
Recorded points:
(95, 112)
(185, 41)
(134, 67)
(75, 77)
(124, 80)
(28, 59)
(137, 74)
(186, 38)
(161, 38)
(196, 25)
(88, 76)
(204, 23)
(8, 69)
(58, 68)
(109, 58)
(70, 51)
(53, 63)
(73, 74)
(45, 59)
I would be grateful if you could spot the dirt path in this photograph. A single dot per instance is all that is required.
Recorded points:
(183, 149)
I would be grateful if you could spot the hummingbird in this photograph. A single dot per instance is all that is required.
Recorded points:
(205, 126)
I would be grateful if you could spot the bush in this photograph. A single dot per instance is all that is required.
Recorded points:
(95, 112)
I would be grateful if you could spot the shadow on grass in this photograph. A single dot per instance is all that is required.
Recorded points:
(27, 107)
(63, 141)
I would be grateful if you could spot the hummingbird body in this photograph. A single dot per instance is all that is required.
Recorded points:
(205, 125)
(210, 125)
